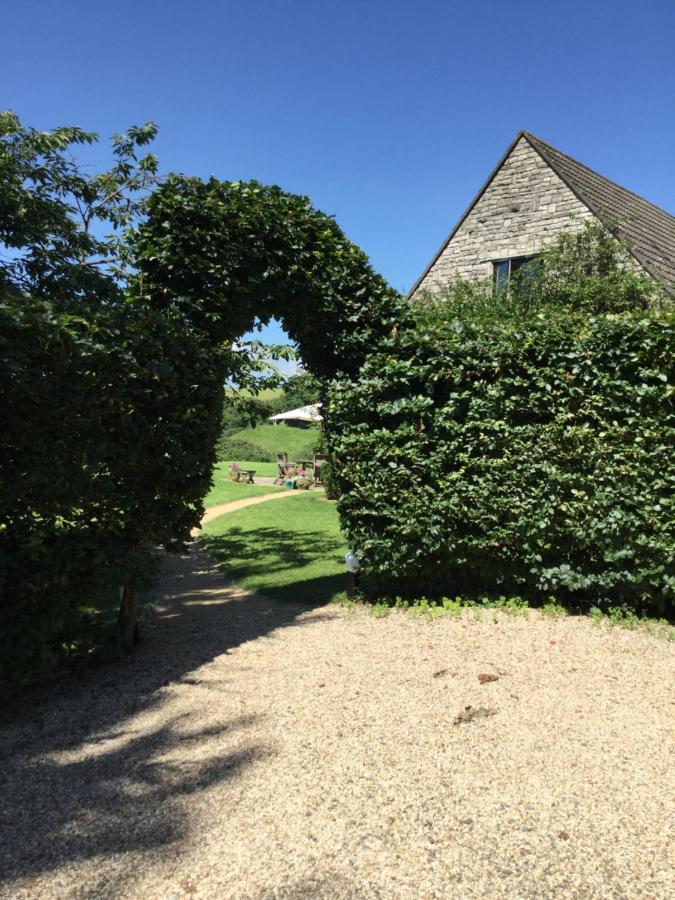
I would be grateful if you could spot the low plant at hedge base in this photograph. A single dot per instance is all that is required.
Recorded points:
(496, 607)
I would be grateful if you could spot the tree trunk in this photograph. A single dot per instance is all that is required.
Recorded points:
(127, 621)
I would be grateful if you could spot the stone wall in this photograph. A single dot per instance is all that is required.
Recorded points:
(524, 209)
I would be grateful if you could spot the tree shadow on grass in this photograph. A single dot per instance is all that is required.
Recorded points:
(282, 562)
(82, 777)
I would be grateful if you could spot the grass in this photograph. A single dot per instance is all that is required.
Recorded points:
(290, 551)
(224, 490)
(267, 394)
(266, 469)
(298, 443)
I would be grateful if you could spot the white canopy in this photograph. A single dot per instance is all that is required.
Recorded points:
(302, 414)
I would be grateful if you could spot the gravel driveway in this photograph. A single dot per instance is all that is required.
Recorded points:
(254, 749)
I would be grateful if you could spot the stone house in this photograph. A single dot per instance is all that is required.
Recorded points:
(534, 194)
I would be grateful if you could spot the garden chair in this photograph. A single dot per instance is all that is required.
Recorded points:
(319, 460)
(282, 465)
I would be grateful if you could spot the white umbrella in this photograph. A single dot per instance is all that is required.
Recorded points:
(302, 414)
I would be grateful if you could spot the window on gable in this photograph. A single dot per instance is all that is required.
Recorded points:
(504, 269)
(502, 272)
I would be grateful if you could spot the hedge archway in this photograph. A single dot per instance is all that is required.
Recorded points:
(211, 259)
(221, 254)
(114, 385)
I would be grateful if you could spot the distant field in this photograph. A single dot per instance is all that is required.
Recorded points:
(267, 395)
(297, 442)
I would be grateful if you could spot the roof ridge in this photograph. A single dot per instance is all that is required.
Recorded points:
(546, 146)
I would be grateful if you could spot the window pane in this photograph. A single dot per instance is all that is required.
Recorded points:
(528, 269)
(501, 272)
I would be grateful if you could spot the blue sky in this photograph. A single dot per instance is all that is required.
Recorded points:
(388, 115)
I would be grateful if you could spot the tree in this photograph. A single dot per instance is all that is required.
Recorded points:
(299, 390)
(71, 352)
(52, 213)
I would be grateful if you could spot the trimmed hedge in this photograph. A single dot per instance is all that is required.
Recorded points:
(102, 459)
(530, 455)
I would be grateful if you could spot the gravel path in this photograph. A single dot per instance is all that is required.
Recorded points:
(254, 749)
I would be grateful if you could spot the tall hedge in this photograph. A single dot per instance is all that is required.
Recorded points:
(530, 453)
(110, 408)
(102, 458)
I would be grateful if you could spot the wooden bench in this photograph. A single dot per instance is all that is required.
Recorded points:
(246, 475)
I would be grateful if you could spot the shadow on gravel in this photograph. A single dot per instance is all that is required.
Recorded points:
(79, 779)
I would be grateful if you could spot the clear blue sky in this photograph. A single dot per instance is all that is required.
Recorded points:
(388, 115)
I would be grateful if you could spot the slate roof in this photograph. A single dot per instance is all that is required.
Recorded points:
(647, 230)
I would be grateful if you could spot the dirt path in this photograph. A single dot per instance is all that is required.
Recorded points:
(256, 749)
(213, 512)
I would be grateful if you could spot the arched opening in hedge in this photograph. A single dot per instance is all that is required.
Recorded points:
(212, 259)
(115, 411)
(221, 255)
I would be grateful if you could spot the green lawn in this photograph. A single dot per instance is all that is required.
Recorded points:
(224, 489)
(288, 549)
(297, 442)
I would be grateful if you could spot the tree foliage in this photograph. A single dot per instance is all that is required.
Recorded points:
(301, 389)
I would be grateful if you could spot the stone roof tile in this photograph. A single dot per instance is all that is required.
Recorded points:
(647, 230)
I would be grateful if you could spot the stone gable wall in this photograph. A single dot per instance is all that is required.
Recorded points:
(523, 210)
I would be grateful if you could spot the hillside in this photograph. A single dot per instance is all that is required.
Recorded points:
(272, 439)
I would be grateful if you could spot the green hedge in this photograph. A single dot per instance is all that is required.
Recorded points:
(532, 455)
(263, 442)
(232, 448)
(96, 466)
